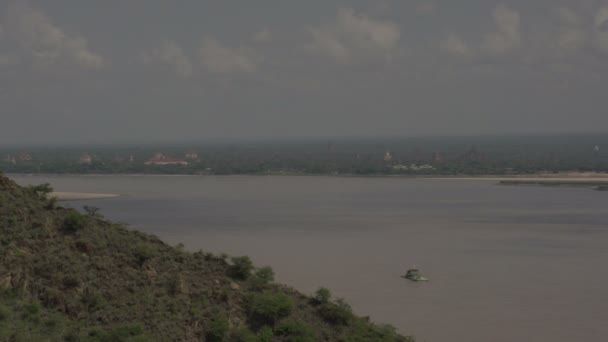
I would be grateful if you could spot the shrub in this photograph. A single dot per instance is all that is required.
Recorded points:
(51, 203)
(245, 335)
(70, 282)
(268, 307)
(241, 268)
(129, 333)
(339, 313)
(143, 252)
(295, 332)
(217, 330)
(92, 211)
(5, 313)
(41, 190)
(262, 277)
(265, 334)
(74, 221)
(322, 296)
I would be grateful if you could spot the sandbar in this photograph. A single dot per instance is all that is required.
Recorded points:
(72, 196)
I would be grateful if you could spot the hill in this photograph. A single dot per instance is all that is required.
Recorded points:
(69, 276)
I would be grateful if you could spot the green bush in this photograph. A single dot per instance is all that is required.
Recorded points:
(262, 277)
(217, 330)
(143, 252)
(241, 268)
(41, 190)
(339, 313)
(322, 296)
(74, 221)
(129, 333)
(294, 331)
(92, 211)
(265, 334)
(268, 307)
(51, 203)
(5, 313)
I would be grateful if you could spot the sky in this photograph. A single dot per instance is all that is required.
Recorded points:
(151, 70)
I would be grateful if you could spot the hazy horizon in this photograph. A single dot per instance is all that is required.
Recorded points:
(157, 72)
(595, 138)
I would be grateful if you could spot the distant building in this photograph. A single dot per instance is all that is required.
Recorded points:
(192, 155)
(596, 150)
(474, 155)
(413, 167)
(437, 157)
(24, 156)
(388, 156)
(131, 159)
(161, 159)
(85, 159)
(10, 159)
(401, 167)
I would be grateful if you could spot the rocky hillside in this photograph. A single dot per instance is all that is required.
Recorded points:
(71, 276)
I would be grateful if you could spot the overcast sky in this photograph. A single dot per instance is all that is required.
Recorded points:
(146, 70)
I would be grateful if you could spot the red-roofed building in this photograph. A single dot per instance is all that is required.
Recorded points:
(161, 159)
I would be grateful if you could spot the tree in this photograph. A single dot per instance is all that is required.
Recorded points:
(74, 221)
(241, 268)
(322, 295)
(268, 307)
(262, 277)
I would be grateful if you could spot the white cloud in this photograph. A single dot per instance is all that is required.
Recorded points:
(171, 54)
(46, 43)
(571, 34)
(568, 17)
(601, 30)
(353, 37)
(216, 58)
(455, 45)
(262, 36)
(507, 37)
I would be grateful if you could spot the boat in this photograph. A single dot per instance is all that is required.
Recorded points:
(413, 274)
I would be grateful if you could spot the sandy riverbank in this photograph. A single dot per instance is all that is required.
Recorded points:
(532, 179)
(72, 196)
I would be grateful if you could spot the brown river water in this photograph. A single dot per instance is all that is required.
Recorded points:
(505, 263)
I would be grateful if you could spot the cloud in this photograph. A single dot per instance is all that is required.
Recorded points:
(601, 30)
(426, 7)
(504, 40)
(170, 53)
(569, 17)
(507, 37)
(44, 42)
(262, 36)
(216, 58)
(353, 37)
(456, 46)
(571, 34)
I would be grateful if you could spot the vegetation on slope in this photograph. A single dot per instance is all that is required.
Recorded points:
(67, 276)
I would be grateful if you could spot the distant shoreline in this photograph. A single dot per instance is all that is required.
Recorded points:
(569, 177)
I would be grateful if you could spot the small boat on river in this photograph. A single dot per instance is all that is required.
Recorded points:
(413, 274)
